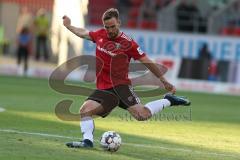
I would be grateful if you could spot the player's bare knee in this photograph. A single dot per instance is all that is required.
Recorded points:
(85, 108)
(89, 108)
(85, 112)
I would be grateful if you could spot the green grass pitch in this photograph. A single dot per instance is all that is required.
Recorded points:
(29, 130)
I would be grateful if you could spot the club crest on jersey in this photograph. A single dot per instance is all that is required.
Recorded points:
(118, 45)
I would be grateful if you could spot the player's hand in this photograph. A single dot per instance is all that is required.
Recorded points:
(171, 88)
(66, 21)
(168, 86)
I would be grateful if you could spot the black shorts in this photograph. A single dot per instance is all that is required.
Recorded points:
(123, 94)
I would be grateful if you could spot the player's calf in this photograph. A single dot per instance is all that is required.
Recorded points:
(139, 112)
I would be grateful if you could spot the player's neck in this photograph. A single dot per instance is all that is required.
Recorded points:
(118, 35)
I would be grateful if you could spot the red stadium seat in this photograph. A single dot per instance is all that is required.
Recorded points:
(136, 3)
(153, 25)
(144, 24)
(96, 21)
(133, 12)
(227, 31)
(97, 8)
(132, 23)
(237, 31)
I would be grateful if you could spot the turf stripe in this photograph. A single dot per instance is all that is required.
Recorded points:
(129, 144)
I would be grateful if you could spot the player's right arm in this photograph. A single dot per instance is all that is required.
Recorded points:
(80, 32)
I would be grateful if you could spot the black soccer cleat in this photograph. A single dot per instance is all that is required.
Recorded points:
(176, 100)
(80, 144)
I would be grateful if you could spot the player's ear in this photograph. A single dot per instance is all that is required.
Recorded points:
(119, 22)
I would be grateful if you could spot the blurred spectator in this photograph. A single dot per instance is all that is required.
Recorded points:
(213, 71)
(41, 24)
(24, 20)
(208, 67)
(24, 42)
(204, 53)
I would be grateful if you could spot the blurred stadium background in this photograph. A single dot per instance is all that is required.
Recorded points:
(172, 32)
(198, 40)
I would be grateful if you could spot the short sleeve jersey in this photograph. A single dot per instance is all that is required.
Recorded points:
(113, 58)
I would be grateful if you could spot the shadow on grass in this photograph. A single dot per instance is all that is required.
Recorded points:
(135, 147)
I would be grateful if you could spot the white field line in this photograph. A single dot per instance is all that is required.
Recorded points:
(2, 109)
(130, 144)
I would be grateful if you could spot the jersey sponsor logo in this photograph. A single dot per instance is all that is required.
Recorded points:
(106, 51)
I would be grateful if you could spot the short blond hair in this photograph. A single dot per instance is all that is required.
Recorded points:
(110, 13)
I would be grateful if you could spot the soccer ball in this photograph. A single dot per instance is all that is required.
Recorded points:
(110, 141)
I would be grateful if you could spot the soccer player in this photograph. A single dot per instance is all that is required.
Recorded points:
(116, 91)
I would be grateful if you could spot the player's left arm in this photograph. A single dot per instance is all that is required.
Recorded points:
(156, 71)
